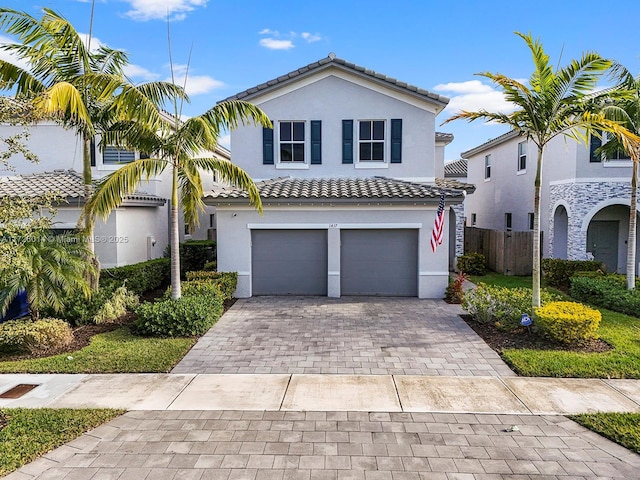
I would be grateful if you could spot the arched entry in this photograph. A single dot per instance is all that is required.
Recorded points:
(607, 237)
(560, 232)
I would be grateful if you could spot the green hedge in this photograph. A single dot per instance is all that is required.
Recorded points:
(139, 278)
(472, 263)
(226, 281)
(194, 254)
(609, 291)
(558, 272)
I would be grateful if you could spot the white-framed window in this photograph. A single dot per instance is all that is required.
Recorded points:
(531, 218)
(371, 140)
(487, 167)
(474, 219)
(291, 145)
(508, 221)
(599, 138)
(113, 155)
(522, 156)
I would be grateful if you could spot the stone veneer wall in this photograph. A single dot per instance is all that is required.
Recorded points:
(459, 211)
(580, 199)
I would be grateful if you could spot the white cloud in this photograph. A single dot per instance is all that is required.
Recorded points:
(474, 95)
(225, 141)
(268, 31)
(10, 57)
(159, 9)
(311, 37)
(198, 84)
(275, 44)
(136, 71)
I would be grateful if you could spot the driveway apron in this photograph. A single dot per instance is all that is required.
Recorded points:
(349, 335)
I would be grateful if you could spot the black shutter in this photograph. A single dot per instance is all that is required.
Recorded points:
(595, 143)
(92, 152)
(316, 142)
(347, 141)
(396, 140)
(267, 146)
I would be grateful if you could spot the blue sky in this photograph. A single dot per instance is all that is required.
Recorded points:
(439, 46)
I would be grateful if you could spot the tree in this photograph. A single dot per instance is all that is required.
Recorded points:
(559, 102)
(85, 89)
(624, 107)
(185, 148)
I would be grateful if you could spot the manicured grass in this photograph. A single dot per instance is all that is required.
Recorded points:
(620, 331)
(118, 351)
(30, 433)
(499, 280)
(622, 428)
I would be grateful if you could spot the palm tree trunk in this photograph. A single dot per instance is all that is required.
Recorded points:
(536, 231)
(631, 241)
(175, 239)
(93, 275)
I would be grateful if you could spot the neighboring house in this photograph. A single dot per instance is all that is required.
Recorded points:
(347, 178)
(584, 201)
(456, 170)
(134, 232)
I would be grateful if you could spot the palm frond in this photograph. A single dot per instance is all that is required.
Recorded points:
(191, 193)
(64, 100)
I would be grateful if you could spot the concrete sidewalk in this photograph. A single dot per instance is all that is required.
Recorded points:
(370, 393)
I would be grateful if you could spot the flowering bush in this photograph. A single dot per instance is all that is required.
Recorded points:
(34, 337)
(500, 305)
(568, 322)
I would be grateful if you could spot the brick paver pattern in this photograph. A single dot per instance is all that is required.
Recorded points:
(350, 335)
(237, 445)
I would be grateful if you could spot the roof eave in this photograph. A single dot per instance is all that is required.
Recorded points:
(490, 144)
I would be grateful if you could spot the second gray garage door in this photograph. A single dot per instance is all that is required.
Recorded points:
(379, 262)
(289, 262)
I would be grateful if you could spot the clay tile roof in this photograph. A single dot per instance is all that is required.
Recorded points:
(332, 60)
(456, 168)
(67, 184)
(340, 189)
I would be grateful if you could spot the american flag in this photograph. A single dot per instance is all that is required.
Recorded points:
(438, 225)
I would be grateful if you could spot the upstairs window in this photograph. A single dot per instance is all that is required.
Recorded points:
(596, 140)
(371, 140)
(508, 221)
(292, 142)
(522, 156)
(487, 167)
(113, 155)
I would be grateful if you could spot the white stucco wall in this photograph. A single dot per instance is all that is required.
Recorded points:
(234, 247)
(332, 99)
(134, 225)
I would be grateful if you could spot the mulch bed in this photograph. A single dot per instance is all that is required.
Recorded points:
(498, 340)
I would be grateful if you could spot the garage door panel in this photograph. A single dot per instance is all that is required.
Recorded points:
(379, 262)
(289, 262)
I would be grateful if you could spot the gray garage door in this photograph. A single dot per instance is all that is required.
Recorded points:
(379, 262)
(289, 262)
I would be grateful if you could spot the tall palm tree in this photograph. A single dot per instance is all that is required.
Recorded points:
(85, 89)
(559, 102)
(184, 148)
(625, 108)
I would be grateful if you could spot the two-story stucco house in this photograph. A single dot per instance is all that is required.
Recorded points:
(584, 203)
(347, 179)
(134, 232)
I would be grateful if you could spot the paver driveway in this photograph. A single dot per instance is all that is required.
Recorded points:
(349, 335)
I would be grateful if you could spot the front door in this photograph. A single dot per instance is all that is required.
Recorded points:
(602, 242)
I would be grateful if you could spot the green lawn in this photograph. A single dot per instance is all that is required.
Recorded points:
(30, 433)
(118, 351)
(620, 331)
(622, 428)
(499, 280)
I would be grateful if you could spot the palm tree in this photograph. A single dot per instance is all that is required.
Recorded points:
(84, 89)
(625, 108)
(184, 147)
(52, 268)
(559, 102)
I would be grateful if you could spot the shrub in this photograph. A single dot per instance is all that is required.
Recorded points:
(472, 263)
(188, 316)
(35, 337)
(211, 266)
(120, 302)
(608, 291)
(454, 291)
(568, 322)
(140, 278)
(226, 281)
(194, 254)
(500, 305)
(558, 272)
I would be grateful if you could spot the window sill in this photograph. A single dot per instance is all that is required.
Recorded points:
(617, 163)
(487, 179)
(521, 172)
(292, 166)
(372, 165)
